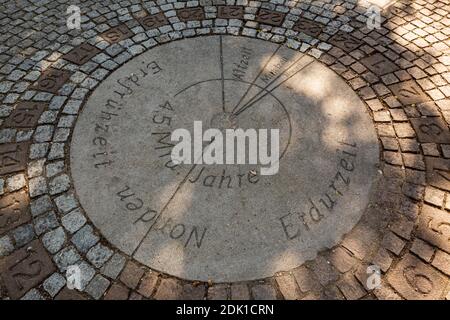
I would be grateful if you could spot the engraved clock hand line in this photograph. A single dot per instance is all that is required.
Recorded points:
(271, 82)
(157, 218)
(256, 78)
(164, 208)
(222, 73)
(271, 90)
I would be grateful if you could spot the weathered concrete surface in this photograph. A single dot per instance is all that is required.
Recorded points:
(171, 219)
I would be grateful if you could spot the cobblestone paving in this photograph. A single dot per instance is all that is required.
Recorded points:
(401, 71)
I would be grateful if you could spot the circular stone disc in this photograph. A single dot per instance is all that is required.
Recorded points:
(223, 222)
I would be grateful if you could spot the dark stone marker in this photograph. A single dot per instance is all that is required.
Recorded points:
(25, 269)
(13, 211)
(270, 17)
(52, 80)
(438, 172)
(81, 54)
(189, 14)
(408, 92)
(309, 27)
(345, 41)
(230, 12)
(379, 64)
(433, 227)
(25, 115)
(67, 294)
(416, 280)
(13, 157)
(153, 21)
(431, 130)
(116, 34)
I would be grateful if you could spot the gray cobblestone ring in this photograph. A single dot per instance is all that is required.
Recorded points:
(364, 174)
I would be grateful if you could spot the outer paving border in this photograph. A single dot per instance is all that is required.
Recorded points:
(391, 233)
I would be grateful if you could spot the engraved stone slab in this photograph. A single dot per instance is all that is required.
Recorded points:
(379, 64)
(408, 92)
(153, 21)
(345, 41)
(67, 294)
(223, 222)
(309, 27)
(52, 80)
(270, 17)
(434, 226)
(189, 14)
(431, 130)
(230, 12)
(438, 172)
(13, 211)
(415, 280)
(81, 54)
(25, 268)
(13, 157)
(25, 115)
(117, 34)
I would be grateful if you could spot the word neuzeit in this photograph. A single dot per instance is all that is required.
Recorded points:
(191, 150)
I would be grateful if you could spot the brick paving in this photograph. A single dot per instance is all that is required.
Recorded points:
(401, 71)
